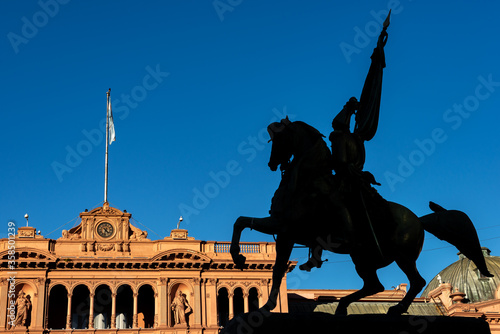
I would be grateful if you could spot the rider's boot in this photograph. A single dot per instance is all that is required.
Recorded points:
(315, 260)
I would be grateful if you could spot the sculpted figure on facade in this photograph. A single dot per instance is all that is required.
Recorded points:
(23, 305)
(181, 308)
(137, 234)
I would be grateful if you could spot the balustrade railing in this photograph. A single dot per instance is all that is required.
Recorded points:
(223, 247)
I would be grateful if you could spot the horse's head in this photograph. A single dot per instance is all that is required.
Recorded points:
(294, 139)
(281, 137)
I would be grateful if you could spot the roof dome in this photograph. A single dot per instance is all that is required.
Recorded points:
(464, 276)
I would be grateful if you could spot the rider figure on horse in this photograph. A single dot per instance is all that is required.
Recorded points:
(348, 158)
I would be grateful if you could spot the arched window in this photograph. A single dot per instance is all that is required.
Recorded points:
(146, 307)
(223, 307)
(238, 303)
(80, 307)
(253, 300)
(58, 307)
(102, 307)
(124, 307)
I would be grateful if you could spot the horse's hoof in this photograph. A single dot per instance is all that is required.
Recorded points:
(396, 310)
(239, 261)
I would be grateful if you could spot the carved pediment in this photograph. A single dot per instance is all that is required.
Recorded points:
(28, 253)
(105, 210)
(107, 226)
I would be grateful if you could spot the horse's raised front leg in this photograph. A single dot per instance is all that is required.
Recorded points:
(284, 246)
(264, 225)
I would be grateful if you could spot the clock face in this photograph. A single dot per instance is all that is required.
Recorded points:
(105, 230)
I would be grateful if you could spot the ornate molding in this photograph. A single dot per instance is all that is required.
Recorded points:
(26, 232)
(106, 247)
(212, 281)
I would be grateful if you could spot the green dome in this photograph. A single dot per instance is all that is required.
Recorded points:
(464, 276)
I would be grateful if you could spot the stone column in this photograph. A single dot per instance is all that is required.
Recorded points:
(245, 302)
(197, 301)
(170, 321)
(265, 290)
(4, 288)
(231, 311)
(264, 293)
(40, 299)
(203, 302)
(211, 301)
(68, 314)
(91, 311)
(135, 318)
(124, 230)
(113, 310)
(163, 300)
(157, 308)
(260, 296)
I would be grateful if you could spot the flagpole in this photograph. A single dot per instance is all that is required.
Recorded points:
(106, 156)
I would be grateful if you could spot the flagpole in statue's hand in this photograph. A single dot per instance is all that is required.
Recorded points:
(382, 38)
(369, 102)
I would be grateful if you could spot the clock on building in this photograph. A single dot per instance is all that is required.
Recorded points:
(105, 230)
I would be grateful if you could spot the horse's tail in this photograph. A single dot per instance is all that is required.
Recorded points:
(456, 228)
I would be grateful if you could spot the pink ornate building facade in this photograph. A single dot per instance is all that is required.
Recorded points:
(105, 274)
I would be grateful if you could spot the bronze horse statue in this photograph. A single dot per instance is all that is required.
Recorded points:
(309, 209)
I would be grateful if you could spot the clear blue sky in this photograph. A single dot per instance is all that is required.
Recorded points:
(194, 85)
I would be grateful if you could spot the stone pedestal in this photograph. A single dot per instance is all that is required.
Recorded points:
(316, 322)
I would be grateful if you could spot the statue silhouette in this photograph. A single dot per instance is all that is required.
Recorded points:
(310, 209)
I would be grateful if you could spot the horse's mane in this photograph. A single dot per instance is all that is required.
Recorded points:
(310, 131)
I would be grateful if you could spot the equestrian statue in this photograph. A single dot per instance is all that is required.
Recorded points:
(342, 212)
